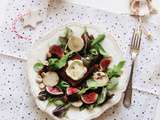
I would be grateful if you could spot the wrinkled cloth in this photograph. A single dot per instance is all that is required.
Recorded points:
(142, 7)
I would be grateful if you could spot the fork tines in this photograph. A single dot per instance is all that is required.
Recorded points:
(136, 39)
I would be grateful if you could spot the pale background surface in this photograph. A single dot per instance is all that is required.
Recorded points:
(117, 6)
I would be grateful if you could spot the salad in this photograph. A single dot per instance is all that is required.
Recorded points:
(77, 73)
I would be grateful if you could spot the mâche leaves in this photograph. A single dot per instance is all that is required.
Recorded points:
(112, 84)
(83, 90)
(55, 101)
(52, 61)
(98, 39)
(97, 47)
(116, 70)
(63, 85)
(68, 32)
(93, 51)
(38, 66)
(91, 83)
(58, 64)
(101, 50)
(102, 96)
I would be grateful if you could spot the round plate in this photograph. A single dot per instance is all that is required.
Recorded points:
(39, 51)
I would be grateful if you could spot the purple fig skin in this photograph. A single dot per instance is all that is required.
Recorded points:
(104, 63)
(56, 50)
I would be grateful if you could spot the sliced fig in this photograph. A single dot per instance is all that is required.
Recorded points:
(56, 50)
(73, 94)
(51, 79)
(104, 63)
(89, 98)
(75, 44)
(77, 103)
(76, 57)
(72, 90)
(101, 78)
(54, 90)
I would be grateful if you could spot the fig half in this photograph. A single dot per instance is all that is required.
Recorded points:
(104, 63)
(89, 98)
(72, 90)
(54, 90)
(56, 50)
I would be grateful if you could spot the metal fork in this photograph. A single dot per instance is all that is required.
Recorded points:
(135, 48)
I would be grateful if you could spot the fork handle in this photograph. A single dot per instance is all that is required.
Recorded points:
(128, 93)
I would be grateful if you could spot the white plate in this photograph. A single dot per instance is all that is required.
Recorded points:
(39, 51)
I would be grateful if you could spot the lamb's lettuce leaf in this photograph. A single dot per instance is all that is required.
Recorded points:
(98, 39)
(102, 97)
(55, 101)
(63, 85)
(38, 66)
(116, 70)
(58, 64)
(112, 84)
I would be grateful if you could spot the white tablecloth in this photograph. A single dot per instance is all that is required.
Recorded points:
(15, 98)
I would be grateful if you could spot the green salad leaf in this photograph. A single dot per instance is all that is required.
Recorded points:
(68, 32)
(85, 106)
(101, 50)
(102, 97)
(59, 63)
(38, 66)
(116, 70)
(55, 101)
(63, 85)
(93, 51)
(112, 84)
(82, 107)
(52, 61)
(58, 102)
(97, 40)
(91, 83)
(83, 90)
(64, 39)
(97, 47)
